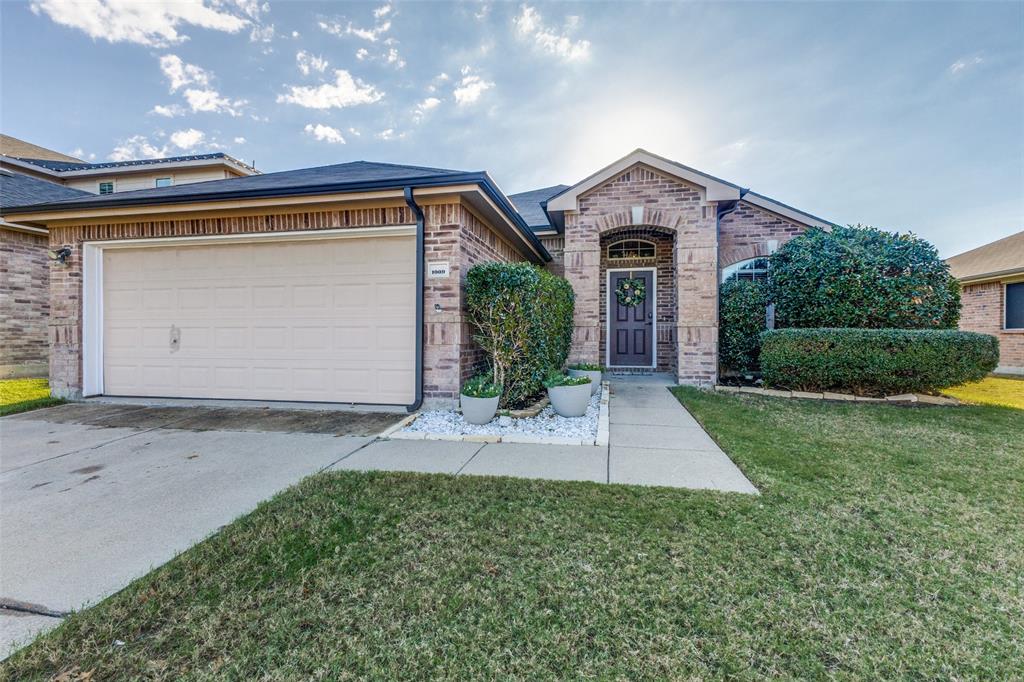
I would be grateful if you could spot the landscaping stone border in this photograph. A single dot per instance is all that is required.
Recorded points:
(904, 398)
(395, 432)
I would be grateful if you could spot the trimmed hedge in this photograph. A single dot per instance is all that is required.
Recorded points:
(522, 318)
(875, 361)
(742, 307)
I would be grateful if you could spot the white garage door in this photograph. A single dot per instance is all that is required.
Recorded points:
(323, 320)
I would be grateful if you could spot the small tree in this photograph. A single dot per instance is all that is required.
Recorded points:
(742, 317)
(860, 276)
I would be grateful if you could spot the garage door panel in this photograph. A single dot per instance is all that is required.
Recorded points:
(329, 320)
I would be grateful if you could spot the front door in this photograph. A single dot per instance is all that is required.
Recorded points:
(631, 327)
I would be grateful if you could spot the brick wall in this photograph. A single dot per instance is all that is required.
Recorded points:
(982, 311)
(24, 304)
(555, 245)
(744, 233)
(676, 207)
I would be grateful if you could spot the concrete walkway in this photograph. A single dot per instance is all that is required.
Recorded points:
(653, 441)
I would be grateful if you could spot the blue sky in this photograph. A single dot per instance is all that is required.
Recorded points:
(907, 116)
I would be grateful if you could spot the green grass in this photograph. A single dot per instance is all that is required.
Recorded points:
(1005, 391)
(21, 395)
(887, 544)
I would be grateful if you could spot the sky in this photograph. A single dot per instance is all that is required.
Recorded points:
(905, 116)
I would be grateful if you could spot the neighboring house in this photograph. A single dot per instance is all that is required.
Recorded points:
(117, 176)
(992, 277)
(25, 277)
(344, 283)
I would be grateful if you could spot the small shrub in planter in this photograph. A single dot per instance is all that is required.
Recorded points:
(569, 396)
(584, 369)
(479, 399)
(875, 361)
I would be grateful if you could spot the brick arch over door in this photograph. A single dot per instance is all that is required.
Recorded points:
(664, 262)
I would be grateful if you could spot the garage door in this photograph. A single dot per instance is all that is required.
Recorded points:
(323, 320)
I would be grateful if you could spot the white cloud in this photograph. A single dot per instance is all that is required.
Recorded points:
(80, 153)
(389, 134)
(181, 74)
(345, 91)
(209, 100)
(239, 140)
(262, 34)
(382, 11)
(324, 133)
(336, 28)
(961, 65)
(530, 26)
(394, 58)
(309, 62)
(170, 110)
(154, 23)
(470, 87)
(354, 131)
(136, 147)
(362, 53)
(295, 34)
(426, 105)
(188, 139)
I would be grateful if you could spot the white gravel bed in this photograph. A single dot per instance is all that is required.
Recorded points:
(546, 423)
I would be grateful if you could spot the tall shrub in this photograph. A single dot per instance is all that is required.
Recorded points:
(859, 277)
(522, 318)
(741, 319)
(875, 361)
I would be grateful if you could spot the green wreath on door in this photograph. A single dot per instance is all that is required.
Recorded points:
(631, 292)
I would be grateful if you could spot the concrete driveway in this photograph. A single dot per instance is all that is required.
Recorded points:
(93, 496)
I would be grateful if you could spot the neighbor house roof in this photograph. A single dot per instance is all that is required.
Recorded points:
(66, 168)
(531, 205)
(355, 176)
(12, 146)
(21, 190)
(997, 259)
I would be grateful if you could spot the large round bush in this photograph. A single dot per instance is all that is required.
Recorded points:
(861, 277)
(522, 318)
(875, 361)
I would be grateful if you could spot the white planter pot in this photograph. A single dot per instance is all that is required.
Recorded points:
(595, 378)
(570, 401)
(478, 410)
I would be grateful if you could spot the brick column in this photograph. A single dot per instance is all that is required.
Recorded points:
(65, 328)
(582, 270)
(697, 298)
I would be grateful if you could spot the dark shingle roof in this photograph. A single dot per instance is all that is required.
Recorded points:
(21, 190)
(339, 177)
(62, 166)
(529, 205)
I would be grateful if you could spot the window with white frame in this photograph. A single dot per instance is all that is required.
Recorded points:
(107, 187)
(752, 269)
(163, 182)
(625, 249)
(1013, 313)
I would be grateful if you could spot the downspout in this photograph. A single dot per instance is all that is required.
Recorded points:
(418, 212)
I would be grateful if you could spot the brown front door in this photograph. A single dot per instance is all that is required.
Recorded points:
(631, 328)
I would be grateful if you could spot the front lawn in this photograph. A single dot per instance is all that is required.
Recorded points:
(21, 395)
(1006, 391)
(887, 544)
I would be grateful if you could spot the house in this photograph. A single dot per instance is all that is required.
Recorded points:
(32, 174)
(344, 283)
(992, 277)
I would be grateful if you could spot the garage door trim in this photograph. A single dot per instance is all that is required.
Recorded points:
(92, 279)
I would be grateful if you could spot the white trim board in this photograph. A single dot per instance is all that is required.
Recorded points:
(608, 318)
(92, 279)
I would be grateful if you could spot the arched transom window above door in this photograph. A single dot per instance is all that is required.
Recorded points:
(752, 269)
(629, 249)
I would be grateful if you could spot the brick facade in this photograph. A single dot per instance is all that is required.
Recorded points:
(983, 311)
(24, 304)
(452, 233)
(745, 233)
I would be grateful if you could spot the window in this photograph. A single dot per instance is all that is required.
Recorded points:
(631, 248)
(753, 269)
(107, 187)
(1014, 318)
(163, 182)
